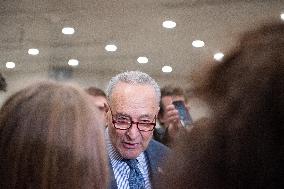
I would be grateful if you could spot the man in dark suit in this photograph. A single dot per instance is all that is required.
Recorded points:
(133, 107)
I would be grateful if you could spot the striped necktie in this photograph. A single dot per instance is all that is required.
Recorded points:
(136, 180)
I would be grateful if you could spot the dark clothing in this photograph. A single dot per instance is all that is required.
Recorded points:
(161, 135)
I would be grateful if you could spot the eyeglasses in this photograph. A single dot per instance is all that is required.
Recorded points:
(125, 122)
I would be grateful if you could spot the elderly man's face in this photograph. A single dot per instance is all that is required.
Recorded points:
(138, 102)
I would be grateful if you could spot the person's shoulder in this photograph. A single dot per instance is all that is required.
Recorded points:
(157, 152)
(157, 144)
(158, 147)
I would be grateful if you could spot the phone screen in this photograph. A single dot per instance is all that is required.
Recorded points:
(184, 115)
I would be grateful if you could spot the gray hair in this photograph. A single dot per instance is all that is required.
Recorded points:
(133, 78)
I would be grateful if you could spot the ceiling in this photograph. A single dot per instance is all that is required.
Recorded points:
(134, 26)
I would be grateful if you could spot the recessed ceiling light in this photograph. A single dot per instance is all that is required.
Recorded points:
(68, 31)
(282, 16)
(110, 48)
(142, 60)
(167, 69)
(169, 24)
(10, 65)
(198, 43)
(218, 56)
(33, 51)
(73, 62)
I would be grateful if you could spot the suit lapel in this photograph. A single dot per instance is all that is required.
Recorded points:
(151, 160)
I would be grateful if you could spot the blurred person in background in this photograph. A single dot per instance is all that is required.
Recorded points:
(133, 107)
(99, 98)
(3, 84)
(51, 137)
(241, 145)
(168, 117)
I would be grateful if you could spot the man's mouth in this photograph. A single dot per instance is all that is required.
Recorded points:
(130, 145)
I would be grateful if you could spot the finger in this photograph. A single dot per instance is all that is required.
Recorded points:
(170, 107)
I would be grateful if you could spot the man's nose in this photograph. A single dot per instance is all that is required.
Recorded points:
(133, 132)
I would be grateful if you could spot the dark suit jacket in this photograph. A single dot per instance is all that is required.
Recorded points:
(155, 154)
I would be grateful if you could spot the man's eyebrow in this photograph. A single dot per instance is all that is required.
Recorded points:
(144, 116)
(123, 114)
(147, 116)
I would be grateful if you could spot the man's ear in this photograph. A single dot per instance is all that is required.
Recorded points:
(158, 111)
(160, 117)
(106, 107)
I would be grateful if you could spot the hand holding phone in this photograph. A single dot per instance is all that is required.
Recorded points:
(184, 115)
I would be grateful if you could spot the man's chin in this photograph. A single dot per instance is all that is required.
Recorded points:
(130, 154)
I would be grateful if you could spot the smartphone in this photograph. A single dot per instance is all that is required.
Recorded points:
(184, 115)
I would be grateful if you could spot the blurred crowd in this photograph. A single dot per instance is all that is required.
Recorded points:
(138, 135)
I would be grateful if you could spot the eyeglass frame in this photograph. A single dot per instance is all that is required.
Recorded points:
(133, 122)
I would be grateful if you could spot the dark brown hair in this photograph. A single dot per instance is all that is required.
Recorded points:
(51, 137)
(242, 146)
(3, 84)
(94, 91)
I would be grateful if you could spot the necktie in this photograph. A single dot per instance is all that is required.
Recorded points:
(136, 180)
